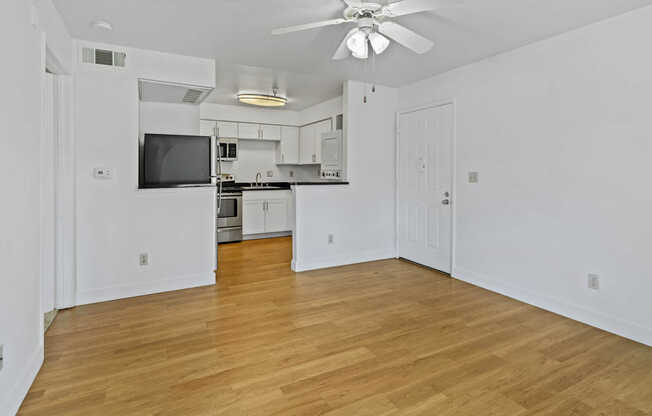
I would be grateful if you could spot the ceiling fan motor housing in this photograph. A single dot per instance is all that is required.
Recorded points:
(366, 24)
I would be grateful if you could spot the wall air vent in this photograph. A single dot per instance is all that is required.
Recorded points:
(104, 57)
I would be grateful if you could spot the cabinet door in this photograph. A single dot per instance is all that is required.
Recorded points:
(253, 216)
(207, 127)
(248, 131)
(269, 132)
(276, 218)
(227, 129)
(288, 148)
(321, 127)
(307, 144)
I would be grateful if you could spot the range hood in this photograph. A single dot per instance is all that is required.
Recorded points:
(169, 92)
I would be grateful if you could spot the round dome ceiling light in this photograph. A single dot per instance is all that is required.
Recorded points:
(263, 100)
(102, 25)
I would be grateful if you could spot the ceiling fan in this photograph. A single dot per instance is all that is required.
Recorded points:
(374, 26)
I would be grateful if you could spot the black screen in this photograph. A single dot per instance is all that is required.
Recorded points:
(176, 160)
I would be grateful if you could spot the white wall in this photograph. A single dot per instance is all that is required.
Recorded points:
(560, 134)
(330, 108)
(260, 157)
(116, 222)
(21, 322)
(361, 215)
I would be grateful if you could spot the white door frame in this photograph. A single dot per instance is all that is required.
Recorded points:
(397, 191)
(65, 184)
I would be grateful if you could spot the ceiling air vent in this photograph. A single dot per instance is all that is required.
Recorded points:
(192, 96)
(103, 57)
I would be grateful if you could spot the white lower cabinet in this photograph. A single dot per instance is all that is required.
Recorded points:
(253, 216)
(265, 212)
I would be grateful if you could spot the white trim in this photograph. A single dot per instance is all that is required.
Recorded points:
(301, 265)
(19, 391)
(597, 319)
(65, 179)
(266, 235)
(453, 185)
(145, 288)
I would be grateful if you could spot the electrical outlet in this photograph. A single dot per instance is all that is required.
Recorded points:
(1, 356)
(291, 174)
(270, 173)
(330, 238)
(594, 281)
(473, 177)
(144, 259)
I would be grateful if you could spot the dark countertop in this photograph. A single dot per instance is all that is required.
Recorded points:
(278, 186)
(320, 182)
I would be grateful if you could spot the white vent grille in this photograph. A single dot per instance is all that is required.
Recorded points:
(104, 57)
(192, 96)
(88, 55)
(119, 59)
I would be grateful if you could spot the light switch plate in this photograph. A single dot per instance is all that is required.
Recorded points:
(473, 177)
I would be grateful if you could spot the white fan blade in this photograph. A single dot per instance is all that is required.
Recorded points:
(343, 50)
(405, 37)
(356, 4)
(404, 7)
(308, 26)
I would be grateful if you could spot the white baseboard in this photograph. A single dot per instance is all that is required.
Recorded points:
(599, 320)
(266, 235)
(302, 265)
(25, 380)
(144, 288)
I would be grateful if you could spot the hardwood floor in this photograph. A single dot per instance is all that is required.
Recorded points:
(382, 338)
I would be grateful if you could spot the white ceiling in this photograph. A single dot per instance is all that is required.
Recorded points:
(237, 34)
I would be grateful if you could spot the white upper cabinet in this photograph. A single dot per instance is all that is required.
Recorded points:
(227, 129)
(321, 127)
(270, 132)
(307, 153)
(207, 127)
(310, 141)
(248, 131)
(288, 149)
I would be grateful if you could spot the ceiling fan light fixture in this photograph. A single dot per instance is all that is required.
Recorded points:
(262, 100)
(378, 42)
(358, 45)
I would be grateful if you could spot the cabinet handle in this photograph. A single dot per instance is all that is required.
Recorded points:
(282, 157)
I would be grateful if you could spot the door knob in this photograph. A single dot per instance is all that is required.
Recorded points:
(445, 202)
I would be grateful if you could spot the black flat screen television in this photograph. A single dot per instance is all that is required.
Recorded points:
(174, 160)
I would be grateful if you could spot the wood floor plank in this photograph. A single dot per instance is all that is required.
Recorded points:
(382, 338)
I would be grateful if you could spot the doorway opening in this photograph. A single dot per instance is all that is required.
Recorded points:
(57, 207)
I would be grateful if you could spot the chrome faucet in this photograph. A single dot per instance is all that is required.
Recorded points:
(259, 176)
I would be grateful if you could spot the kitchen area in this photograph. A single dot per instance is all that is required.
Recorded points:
(260, 162)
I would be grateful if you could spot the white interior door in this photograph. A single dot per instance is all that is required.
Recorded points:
(425, 186)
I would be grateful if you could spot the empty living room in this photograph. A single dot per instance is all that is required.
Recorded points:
(326, 207)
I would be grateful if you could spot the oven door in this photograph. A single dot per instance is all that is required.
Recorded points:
(231, 212)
